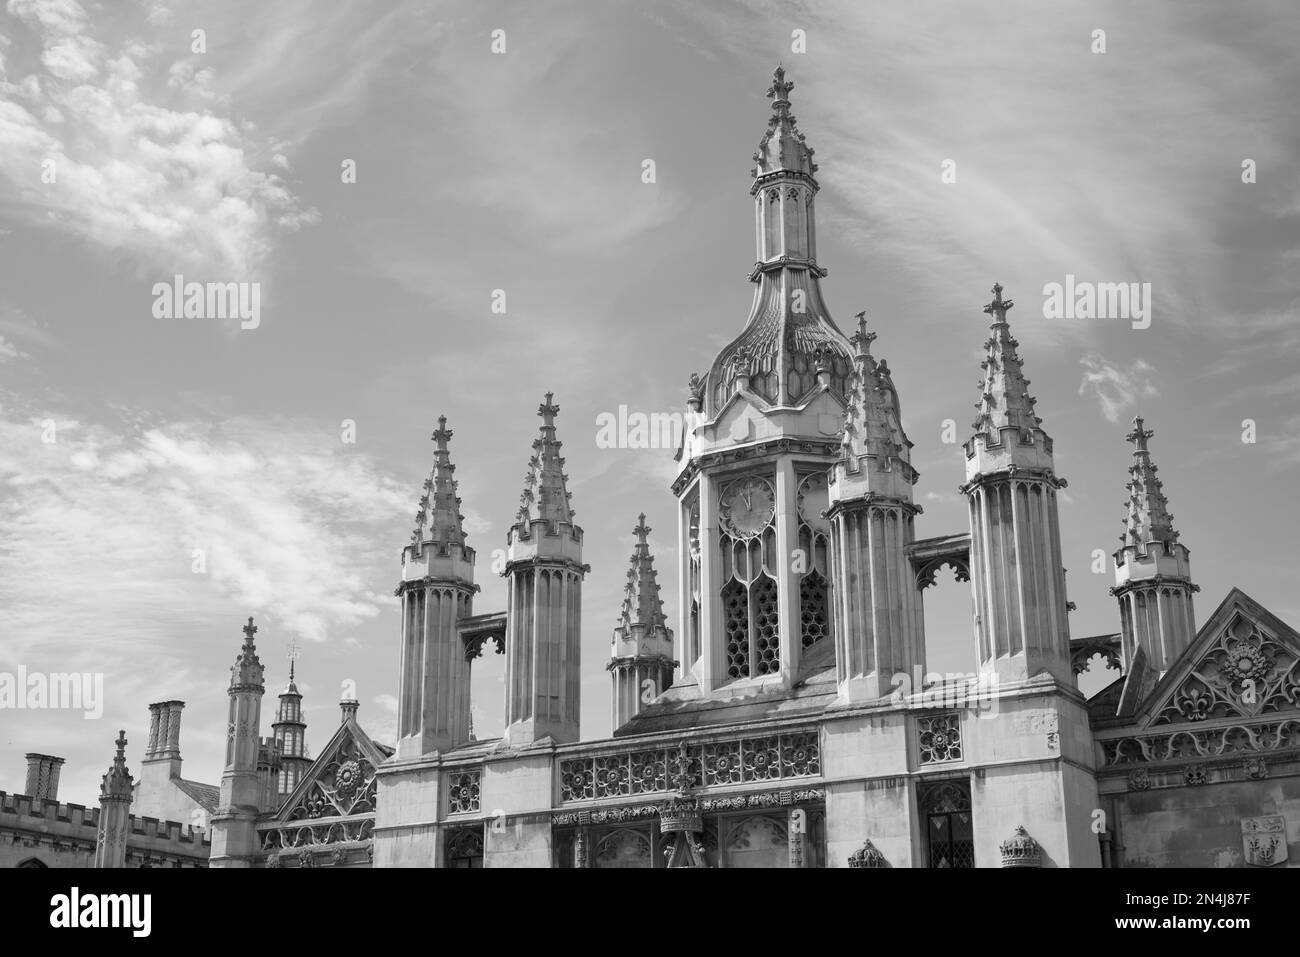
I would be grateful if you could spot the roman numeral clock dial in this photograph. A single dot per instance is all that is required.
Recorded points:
(747, 507)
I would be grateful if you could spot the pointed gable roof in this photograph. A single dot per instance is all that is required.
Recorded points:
(1244, 664)
(341, 781)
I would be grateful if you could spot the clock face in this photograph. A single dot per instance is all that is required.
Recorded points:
(813, 500)
(748, 506)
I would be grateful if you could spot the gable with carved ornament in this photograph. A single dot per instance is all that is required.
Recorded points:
(1246, 666)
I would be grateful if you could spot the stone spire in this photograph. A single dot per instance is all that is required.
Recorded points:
(544, 569)
(247, 672)
(243, 785)
(117, 782)
(878, 631)
(782, 146)
(1153, 574)
(114, 811)
(641, 656)
(1005, 402)
(641, 602)
(436, 590)
(1017, 573)
(545, 497)
(439, 521)
(873, 433)
(1148, 519)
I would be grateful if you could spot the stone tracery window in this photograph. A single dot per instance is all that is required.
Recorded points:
(938, 737)
(464, 848)
(463, 792)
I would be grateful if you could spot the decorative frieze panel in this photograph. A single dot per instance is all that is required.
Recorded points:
(463, 792)
(739, 802)
(938, 738)
(317, 834)
(1207, 743)
(773, 757)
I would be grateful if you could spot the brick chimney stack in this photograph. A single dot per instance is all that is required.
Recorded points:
(43, 777)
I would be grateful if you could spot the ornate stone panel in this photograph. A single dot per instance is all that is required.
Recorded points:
(938, 738)
(1244, 674)
(775, 757)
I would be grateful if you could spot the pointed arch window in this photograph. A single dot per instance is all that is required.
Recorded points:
(749, 564)
(946, 811)
(812, 559)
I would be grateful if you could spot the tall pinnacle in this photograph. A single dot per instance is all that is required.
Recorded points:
(545, 497)
(782, 146)
(872, 426)
(641, 602)
(116, 783)
(439, 521)
(247, 671)
(1005, 401)
(1148, 519)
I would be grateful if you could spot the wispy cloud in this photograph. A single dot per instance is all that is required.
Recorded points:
(1117, 388)
(107, 140)
(274, 517)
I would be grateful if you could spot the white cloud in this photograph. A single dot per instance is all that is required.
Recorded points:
(286, 521)
(1116, 388)
(141, 163)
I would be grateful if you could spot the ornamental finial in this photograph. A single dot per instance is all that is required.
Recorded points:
(998, 307)
(862, 339)
(1139, 436)
(779, 91)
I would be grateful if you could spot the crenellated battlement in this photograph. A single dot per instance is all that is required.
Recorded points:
(34, 827)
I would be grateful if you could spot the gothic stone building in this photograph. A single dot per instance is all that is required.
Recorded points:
(37, 830)
(769, 728)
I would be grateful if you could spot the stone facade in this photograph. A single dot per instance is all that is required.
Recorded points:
(784, 736)
(36, 830)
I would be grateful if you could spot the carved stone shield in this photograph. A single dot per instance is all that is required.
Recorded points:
(1263, 839)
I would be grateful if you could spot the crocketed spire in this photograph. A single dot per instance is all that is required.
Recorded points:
(872, 423)
(641, 602)
(1005, 401)
(439, 521)
(782, 146)
(247, 671)
(545, 497)
(1149, 519)
(116, 784)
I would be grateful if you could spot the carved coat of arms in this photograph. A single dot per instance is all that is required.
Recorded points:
(1263, 839)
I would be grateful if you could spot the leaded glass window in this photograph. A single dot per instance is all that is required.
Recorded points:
(950, 836)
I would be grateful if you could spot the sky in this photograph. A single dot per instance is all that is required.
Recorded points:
(383, 176)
